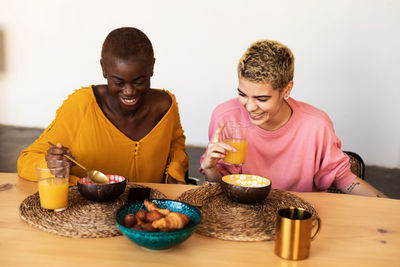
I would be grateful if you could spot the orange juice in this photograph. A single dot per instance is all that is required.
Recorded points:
(240, 154)
(53, 193)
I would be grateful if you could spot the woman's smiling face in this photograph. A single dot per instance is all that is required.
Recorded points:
(265, 105)
(128, 81)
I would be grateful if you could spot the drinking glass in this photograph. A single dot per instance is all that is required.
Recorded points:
(53, 185)
(235, 134)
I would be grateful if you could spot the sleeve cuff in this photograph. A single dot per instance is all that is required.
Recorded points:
(175, 170)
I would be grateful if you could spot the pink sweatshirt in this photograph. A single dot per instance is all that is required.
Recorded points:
(303, 155)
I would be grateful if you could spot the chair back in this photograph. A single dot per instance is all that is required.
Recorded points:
(356, 164)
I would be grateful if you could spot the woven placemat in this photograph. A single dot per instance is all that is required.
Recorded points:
(82, 218)
(221, 218)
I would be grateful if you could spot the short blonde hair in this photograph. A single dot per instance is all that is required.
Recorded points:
(267, 61)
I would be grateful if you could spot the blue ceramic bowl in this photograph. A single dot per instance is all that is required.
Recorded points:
(159, 240)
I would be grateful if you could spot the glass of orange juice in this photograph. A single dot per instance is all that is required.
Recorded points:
(235, 134)
(53, 185)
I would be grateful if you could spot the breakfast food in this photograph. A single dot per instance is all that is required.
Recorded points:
(172, 221)
(150, 206)
(153, 215)
(155, 219)
(141, 215)
(130, 220)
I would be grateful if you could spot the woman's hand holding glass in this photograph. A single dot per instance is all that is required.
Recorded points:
(215, 151)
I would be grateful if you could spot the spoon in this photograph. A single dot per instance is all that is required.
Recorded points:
(95, 176)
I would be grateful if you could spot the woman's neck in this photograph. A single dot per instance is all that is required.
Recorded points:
(281, 119)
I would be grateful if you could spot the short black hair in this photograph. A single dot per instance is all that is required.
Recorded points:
(127, 42)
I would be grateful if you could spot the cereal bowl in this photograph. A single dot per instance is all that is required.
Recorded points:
(159, 240)
(245, 188)
(102, 192)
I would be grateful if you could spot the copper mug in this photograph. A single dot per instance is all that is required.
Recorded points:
(293, 233)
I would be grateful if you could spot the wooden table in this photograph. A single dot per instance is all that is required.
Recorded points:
(356, 231)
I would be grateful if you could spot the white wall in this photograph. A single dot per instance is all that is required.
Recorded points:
(347, 55)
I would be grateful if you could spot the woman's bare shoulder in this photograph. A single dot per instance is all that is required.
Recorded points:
(160, 99)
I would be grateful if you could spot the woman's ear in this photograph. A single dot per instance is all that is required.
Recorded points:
(287, 90)
(103, 68)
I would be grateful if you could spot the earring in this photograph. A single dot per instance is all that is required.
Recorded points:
(286, 97)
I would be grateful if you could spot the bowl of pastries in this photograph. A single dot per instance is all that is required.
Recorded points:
(102, 192)
(158, 224)
(245, 188)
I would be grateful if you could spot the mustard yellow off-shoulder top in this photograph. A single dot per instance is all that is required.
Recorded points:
(95, 142)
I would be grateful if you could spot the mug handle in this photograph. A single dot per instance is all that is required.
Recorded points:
(318, 228)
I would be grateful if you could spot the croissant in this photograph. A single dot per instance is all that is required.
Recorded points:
(151, 206)
(172, 221)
